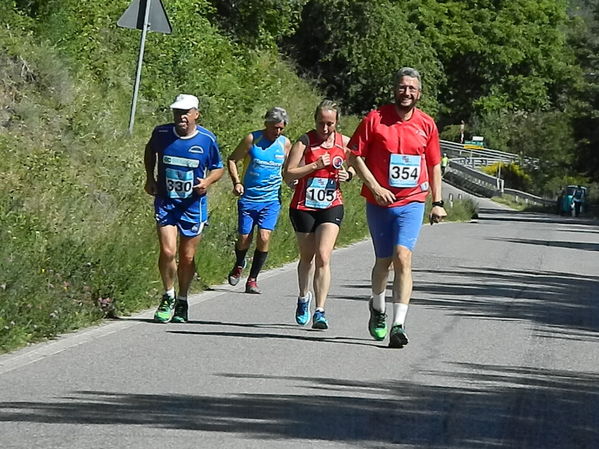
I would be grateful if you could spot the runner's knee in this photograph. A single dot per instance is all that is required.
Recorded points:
(403, 259)
(168, 254)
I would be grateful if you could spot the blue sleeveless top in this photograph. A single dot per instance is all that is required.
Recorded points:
(262, 169)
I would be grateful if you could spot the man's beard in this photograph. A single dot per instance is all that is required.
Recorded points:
(404, 108)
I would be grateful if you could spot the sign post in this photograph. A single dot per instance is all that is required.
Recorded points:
(477, 143)
(144, 15)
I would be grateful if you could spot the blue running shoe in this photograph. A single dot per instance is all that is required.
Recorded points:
(319, 321)
(302, 312)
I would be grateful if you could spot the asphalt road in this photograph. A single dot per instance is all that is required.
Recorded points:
(503, 353)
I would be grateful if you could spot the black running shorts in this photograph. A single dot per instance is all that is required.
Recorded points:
(308, 220)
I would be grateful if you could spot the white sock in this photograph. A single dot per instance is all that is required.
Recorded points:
(182, 298)
(170, 292)
(378, 301)
(319, 309)
(400, 311)
(305, 298)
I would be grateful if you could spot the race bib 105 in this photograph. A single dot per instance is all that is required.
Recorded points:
(320, 192)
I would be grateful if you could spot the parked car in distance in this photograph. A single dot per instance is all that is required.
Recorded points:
(572, 200)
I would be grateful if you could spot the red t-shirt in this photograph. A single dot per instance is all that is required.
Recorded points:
(397, 153)
(320, 189)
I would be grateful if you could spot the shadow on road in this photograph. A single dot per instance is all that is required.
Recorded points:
(563, 302)
(587, 246)
(503, 407)
(313, 335)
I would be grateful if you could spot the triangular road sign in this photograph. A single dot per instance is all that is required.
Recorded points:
(133, 17)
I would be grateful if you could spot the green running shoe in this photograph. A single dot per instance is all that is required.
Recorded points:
(398, 337)
(165, 310)
(180, 315)
(377, 324)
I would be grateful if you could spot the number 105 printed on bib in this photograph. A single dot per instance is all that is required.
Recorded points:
(320, 192)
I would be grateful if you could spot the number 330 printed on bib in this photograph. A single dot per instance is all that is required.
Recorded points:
(179, 183)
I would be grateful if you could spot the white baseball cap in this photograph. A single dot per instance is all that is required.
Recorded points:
(185, 101)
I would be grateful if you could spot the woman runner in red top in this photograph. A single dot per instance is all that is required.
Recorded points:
(316, 161)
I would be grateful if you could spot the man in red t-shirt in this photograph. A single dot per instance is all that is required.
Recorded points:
(395, 151)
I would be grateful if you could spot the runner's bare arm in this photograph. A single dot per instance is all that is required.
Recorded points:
(213, 175)
(293, 167)
(150, 165)
(434, 178)
(348, 172)
(383, 196)
(237, 155)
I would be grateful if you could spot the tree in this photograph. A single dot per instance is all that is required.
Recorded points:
(353, 47)
(584, 41)
(258, 23)
(497, 54)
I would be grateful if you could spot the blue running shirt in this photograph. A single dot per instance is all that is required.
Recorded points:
(262, 169)
(181, 160)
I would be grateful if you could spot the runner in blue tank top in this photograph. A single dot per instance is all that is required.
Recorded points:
(182, 160)
(263, 153)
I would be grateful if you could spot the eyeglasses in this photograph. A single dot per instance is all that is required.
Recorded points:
(411, 89)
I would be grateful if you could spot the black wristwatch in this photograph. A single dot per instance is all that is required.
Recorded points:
(439, 203)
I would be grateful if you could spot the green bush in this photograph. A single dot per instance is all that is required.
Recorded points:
(77, 231)
(513, 174)
(258, 23)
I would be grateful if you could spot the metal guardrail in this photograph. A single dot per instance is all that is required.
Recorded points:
(482, 156)
(457, 149)
(462, 165)
(529, 198)
(476, 162)
(475, 180)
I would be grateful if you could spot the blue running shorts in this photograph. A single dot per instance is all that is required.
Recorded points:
(261, 214)
(190, 223)
(392, 226)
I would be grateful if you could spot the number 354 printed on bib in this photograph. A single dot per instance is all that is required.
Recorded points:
(404, 170)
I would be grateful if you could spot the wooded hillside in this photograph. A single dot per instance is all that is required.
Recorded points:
(75, 226)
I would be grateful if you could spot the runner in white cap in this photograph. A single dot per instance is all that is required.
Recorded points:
(182, 160)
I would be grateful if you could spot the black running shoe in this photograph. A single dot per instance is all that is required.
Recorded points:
(398, 337)
(180, 315)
